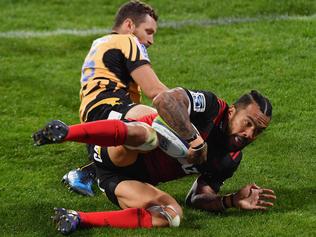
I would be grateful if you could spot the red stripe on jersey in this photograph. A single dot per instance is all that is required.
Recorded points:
(222, 106)
(234, 155)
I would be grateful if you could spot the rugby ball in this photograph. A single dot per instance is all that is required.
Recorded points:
(169, 141)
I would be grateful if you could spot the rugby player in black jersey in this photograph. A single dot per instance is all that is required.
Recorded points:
(128, 177)
(115, 71)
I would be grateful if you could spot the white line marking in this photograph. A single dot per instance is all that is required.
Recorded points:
(233, 20)
(36, 34)
(162, 24)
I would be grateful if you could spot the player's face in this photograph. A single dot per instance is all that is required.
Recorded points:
(146, 30)
(245, 125)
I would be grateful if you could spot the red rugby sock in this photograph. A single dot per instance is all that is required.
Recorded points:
(101, 132)
(128, 218)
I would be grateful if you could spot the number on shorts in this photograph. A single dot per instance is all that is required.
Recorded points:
(97, 154)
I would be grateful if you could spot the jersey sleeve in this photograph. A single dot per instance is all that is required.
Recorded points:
(123, 54)
(224, 170)
(204, 108)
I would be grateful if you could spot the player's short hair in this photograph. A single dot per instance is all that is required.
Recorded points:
(254, 96)
(136, 11)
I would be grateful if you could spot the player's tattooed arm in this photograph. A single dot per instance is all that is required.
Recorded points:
(251, 197)
(172, 106)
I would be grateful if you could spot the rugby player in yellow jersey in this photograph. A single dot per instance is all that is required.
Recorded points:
(115, 71)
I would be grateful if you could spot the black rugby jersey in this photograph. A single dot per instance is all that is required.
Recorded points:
(208, 113)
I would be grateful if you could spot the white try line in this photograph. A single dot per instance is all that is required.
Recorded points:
(162, 24)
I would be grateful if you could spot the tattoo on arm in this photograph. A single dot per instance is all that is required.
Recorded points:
(172, 106)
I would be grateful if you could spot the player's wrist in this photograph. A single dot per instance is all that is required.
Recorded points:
(192, 138)
(198, 154)
(232, 199)
(224, 203)
(228, 201)
(196, 142)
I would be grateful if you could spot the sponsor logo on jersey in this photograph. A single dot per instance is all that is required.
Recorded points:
(199, 103)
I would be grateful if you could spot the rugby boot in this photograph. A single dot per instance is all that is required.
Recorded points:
(67, 221)
(54, 132)
(79, 181)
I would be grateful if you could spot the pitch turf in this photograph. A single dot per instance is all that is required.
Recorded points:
(271, 49)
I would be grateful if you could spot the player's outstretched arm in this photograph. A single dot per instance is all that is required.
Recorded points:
(202, 196)
(148, 81)
(249, 197)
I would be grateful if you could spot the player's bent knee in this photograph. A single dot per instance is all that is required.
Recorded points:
(169, 213)
(141, 137)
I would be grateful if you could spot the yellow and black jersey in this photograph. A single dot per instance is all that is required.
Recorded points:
(105, 77)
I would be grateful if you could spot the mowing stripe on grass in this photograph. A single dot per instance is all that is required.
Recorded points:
(163, 24)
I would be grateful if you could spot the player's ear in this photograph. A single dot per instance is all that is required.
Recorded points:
(130, 25)
(231, 111)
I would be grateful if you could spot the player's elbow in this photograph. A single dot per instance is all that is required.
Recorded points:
(188, 200)
(168, 98)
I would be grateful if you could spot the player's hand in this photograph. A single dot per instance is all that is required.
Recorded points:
(197, 153)
(54, 132)
(252, 197)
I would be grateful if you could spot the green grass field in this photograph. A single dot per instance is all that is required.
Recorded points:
(228, 47)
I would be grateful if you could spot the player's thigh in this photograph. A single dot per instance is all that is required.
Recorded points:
(122, 156)
(139, 111)
(132, 193)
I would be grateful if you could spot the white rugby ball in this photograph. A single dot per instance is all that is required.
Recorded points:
(169, 141)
